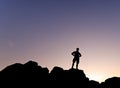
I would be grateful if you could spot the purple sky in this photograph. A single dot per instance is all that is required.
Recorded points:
(47, 31)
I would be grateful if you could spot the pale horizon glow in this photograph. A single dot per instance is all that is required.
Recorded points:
(48, 31)
(98, 77)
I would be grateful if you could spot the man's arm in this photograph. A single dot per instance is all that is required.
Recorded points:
(80, 54)
(73, 53)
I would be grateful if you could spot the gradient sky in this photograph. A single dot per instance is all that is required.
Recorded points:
(47, 31)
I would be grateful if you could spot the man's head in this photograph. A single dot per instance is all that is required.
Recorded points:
(77, 49)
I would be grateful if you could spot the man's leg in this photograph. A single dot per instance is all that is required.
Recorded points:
(77, 64)
(73, 63)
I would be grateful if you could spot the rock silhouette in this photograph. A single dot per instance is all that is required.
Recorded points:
(113, 82)
(31, 74)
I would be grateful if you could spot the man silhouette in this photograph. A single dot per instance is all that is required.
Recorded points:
(76, 55)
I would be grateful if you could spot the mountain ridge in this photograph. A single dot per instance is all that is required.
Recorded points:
(32, 73)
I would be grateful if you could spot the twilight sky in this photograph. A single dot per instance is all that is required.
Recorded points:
(47, 31)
